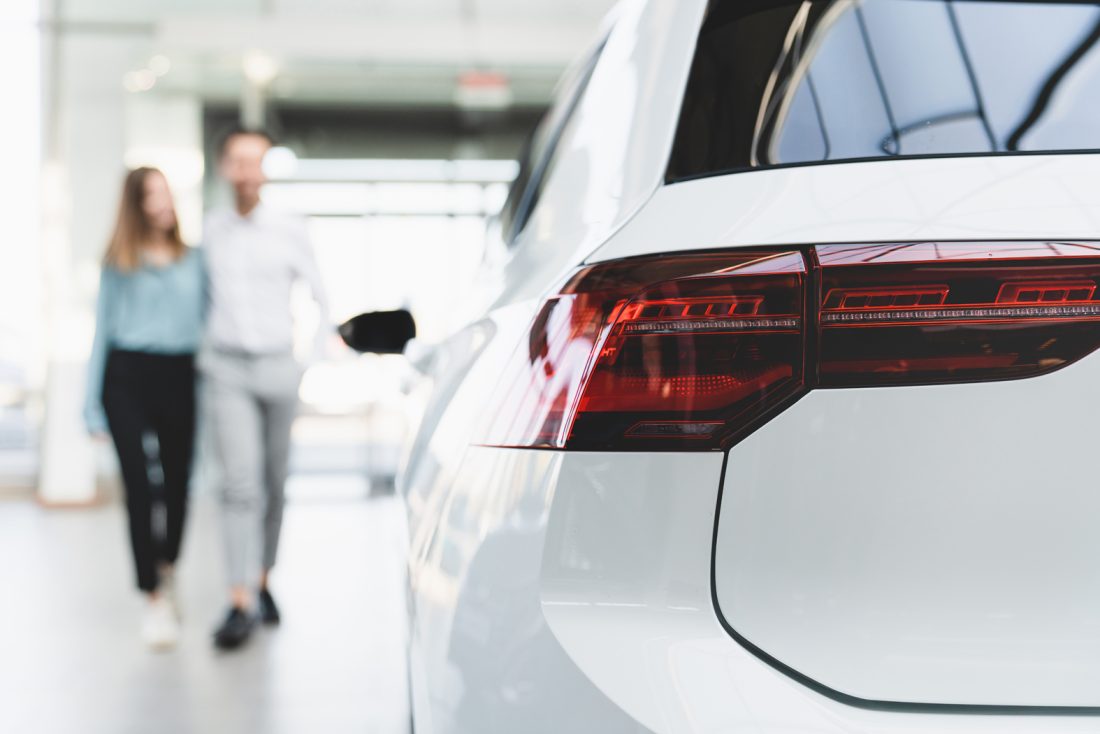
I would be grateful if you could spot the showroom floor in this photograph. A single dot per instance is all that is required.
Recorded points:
(71, 661)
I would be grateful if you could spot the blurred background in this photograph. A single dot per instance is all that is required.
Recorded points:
(399, 123)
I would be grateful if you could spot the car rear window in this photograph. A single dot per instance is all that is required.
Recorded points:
(784, 83)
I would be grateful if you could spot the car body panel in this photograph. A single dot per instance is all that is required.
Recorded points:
(1046, 197)
(613, 153)
(609, 166)
(648, 635)
(484, 657)
(931, 544)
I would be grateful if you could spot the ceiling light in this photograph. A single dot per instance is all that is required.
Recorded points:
(139, 81)
(259, 68)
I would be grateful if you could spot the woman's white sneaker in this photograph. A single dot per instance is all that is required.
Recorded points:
(159, 628)
(167, 589)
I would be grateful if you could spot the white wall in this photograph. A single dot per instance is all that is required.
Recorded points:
(21, 343)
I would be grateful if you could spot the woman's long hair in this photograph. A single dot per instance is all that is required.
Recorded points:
(133, 229)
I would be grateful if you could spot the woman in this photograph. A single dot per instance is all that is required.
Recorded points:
(141, 380)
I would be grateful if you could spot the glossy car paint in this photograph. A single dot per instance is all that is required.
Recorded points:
(927, 544)
(555, 591)
(1045, 197)
(614, 150)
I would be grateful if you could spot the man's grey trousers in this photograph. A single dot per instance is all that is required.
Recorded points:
(250, 403)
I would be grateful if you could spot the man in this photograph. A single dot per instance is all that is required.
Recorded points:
(254, 255)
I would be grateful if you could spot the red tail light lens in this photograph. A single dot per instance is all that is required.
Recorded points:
(686, 351)
(696, 351)
(1001, 311)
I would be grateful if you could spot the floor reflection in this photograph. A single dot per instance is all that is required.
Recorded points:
(72, 660)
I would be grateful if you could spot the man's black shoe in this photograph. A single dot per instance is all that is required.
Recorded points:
(235, 630)
(269, 613)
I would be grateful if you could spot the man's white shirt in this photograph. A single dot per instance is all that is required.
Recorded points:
(252, 264)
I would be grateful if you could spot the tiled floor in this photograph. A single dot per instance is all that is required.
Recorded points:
(71, 660)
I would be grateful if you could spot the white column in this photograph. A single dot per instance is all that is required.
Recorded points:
(21, 307)
(82, 178)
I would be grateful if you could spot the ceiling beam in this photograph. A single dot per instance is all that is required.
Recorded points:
(482, 43)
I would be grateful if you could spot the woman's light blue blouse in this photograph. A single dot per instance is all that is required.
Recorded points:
(155, 309)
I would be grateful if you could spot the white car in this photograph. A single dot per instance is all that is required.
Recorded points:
(785, 415)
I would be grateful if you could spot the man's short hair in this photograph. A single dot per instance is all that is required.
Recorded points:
(239, 131)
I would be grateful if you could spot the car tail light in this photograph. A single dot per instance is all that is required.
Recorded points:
(989, 311)
(695, 351)
(653, 350)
